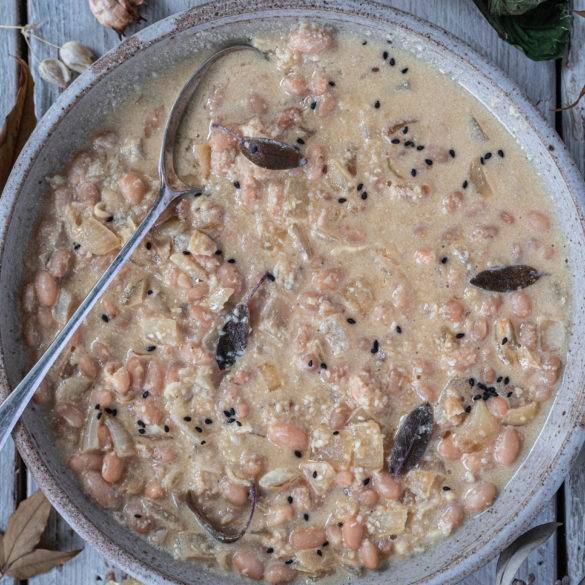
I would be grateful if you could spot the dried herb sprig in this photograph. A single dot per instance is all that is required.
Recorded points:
(19, 557)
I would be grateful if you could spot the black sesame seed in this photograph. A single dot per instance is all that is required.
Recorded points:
(452, 153)
(465, 184)
(298, 454)
(315, 475)
(141, 431)
(151, 348)
(446, 488)
(481, 160)
(375, 346)
(203, 442)
(340, 525)
(364, 195)
(114, 411)
(289, 499)
(398, 329)
(477, 397)
(137, 515)
(460, 335)
(148, 245)
(108, 410)
(310, 364)
(468, 409)
(395, 141)
(501, 153)
(325, 544)
(420, 147)
(471, 382)
(76, 246)
(351, 320)
(149, 292)
(300, 141)
(359, 186)
(510, 394)
(385, 55)
(392, 62)
(405, 130)
(270, 276)
(409, 144)
(199, 429)
(232, 411)
(487, 155)
(231, 260)
(237, 184)
(403, 71)
(99, 415)
(208, 421)
(289, 562)
(429, 162)
(364, 43)
(227, 413)
(377, 104)
(145, 394)
(320, 552)
(499, 380)
(140, 423)
(109, 219)
(166, 429)
(105, 318)
(366, 481)
(332, 83)
(323, 366)
(305, 517)
(313, 105)
(504, 340)
(186, 253)
(413, 172)
(375, 69)
(269, 550)
(97, 406)
(444, 260)
(187, 418)
(482, 386)
(506, 380)
(335, 433)
(218, 252)
(342, 200)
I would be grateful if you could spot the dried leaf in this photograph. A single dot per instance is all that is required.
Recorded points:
(411, 440)
(19, 123)
(271, 154)
(572, 104)
(1, 550)
(219, 533)
(25, 527)
(512, 557)
(37, 562)
(580, 13)
(233, 337)
(506, 279)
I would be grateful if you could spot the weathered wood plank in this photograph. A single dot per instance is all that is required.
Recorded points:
(572, 80)
(8, 47)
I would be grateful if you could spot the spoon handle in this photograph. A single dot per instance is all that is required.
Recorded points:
(13, 407)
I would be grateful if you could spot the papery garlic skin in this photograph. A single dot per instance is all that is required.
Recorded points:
(55, 72)
(76, 56)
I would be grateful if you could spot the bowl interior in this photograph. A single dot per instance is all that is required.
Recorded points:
(81, 111)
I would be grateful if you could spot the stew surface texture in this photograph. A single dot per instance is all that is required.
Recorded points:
(394, 364)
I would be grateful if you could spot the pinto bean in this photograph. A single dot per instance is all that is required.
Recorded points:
(309, 39)
(328, 280)
(352, 534)
(479, 496)
(520, 304)
(498, 406)
(234, 493)
(59, 263)
(153, 490)
(451, 517)
(344, 478)
(277, 572)
(306, 538)
(326, 104)
(294, 83)
(288, 436)
(447, 450)
(87, 461)
(508, 446)
(112, 468)
(387, 486)
(44, 394)
(319, 82)
(106, 495)
(154, 381)
(539, 221)
(367, 497)
(252, 464)
(29, 298)
(453, 311)
(46, 288)
(246, 561)
(333, 534)
(136, 519)
(45, 317)
(479, 329)
(118, 377)
(133, 187)
(368, 555)
(279, 515)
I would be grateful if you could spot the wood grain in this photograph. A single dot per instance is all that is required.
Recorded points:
(65, 20)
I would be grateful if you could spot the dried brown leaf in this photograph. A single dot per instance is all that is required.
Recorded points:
(580, 13)
(572, 104)
(25, 527)
(37, 562)
(19, 123)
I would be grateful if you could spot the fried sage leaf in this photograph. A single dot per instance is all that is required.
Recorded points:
(271, 154)
(233, 337)
(231, 533)
(411, 440)
(507, 278)
(512, 557)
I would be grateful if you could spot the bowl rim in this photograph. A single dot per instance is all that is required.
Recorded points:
(214, 14)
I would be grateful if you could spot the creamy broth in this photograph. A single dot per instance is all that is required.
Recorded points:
(410, 189)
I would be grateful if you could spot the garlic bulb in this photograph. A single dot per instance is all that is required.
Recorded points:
(76, 56)
(55, 72)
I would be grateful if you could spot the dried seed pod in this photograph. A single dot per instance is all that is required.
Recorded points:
(55, 72)
(76, 56)
(116, 14)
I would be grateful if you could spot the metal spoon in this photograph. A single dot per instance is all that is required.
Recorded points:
(171, 188)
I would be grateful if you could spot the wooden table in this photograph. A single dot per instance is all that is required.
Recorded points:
(547, 84)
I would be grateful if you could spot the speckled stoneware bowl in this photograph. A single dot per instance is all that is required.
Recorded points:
(81, 109)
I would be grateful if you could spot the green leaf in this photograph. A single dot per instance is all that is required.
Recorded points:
(542, 32)
(514, 7)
